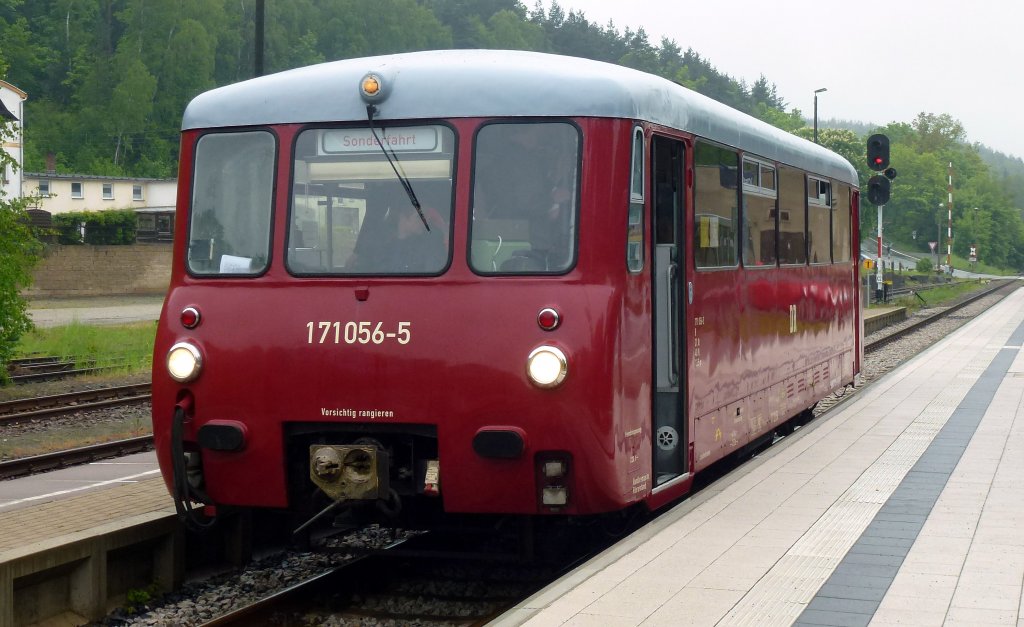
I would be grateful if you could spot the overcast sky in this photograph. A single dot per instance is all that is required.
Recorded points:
(881, 62)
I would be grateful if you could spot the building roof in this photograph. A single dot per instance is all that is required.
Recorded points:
(6, 85)
(90, 177)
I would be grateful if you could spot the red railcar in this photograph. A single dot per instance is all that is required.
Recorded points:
(491, 282)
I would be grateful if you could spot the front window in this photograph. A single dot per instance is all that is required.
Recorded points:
(525, 198)
(108, 191)
(352, 214)
(76, 190)
(137, 192)
(231, 201)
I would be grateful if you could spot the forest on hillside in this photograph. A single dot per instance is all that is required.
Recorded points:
(108, 81)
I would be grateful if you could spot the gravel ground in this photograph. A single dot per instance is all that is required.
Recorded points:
(44, 435)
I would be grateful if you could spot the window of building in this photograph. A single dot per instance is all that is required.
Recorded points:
(759, 196)
(136, 192)
(716, 202)
(76, 190)
(44, 188)
(108, 191)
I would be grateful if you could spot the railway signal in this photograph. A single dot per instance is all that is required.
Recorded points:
(878, 195)
(878, 190)
(878, 152)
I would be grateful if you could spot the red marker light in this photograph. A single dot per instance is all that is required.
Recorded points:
(548, 319)
(190, 317)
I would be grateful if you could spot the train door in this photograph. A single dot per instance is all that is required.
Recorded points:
(670, 440)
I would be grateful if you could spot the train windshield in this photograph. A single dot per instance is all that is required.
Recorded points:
(351, 214)
(231, 201)
(525, 198)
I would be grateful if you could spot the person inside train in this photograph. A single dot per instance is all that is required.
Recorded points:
(546, 173)
(402, 241)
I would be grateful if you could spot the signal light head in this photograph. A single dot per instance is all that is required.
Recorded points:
(878, 152)
(878, 190)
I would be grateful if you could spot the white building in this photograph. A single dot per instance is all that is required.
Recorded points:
(61, 193)
(152, 199)
(12, 107)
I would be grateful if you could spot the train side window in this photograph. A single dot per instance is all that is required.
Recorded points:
(842, 244)
(716, 202)
(635, 223)
(525, 198)
(819, 227)
(232, 187)
(759, 196)
(792, 217)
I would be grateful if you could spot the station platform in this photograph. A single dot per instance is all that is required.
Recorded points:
(902, 507)
(73, 542)
(877, 318)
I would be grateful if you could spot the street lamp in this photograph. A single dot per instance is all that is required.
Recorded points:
(816, 92)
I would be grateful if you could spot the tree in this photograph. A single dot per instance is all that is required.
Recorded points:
(132, 100)
(19, 252)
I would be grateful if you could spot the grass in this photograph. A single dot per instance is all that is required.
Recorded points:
(82, 434)
(937, 295)
(127, 347)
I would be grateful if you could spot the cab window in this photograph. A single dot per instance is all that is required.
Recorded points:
(352, 214)
(525, 198)
(229, 232)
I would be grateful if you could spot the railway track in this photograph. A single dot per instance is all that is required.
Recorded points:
(51, 368)
(874, 345)
(73, 457)
(419, 580)
(59, 404)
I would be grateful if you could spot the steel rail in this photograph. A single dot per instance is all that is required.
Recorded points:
(52, 461)
(57, 404)
(876, 344)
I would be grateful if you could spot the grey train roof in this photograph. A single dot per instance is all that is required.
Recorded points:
(484, 83)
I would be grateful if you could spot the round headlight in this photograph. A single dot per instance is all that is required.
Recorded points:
(184, 362)
(546, 366)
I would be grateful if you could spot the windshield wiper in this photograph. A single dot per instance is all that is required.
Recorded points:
(370, 109)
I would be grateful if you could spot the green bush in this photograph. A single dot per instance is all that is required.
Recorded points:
(114, 226)
(924, 265)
